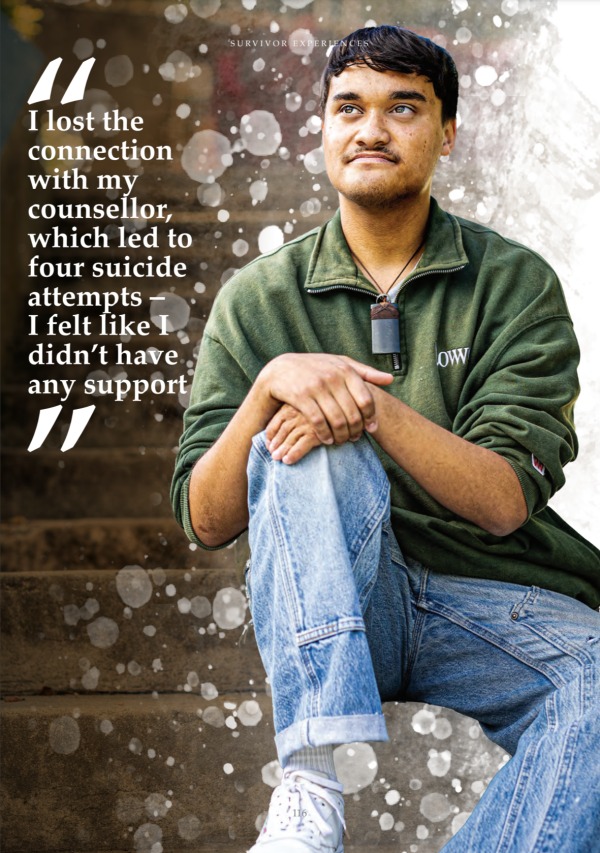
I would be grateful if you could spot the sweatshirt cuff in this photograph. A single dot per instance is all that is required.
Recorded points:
(531, 491)
(186, 520)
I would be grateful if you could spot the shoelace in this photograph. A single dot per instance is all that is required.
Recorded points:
(294, 787)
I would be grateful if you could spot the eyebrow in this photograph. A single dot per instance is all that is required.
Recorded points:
(400, 95)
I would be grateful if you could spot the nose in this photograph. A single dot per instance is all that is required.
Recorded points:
(372, 131)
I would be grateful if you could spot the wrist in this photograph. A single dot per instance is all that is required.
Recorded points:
(390, 413)
(261, 398)
(378, 395)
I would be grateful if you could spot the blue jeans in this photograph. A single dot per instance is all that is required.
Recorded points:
(343, 622)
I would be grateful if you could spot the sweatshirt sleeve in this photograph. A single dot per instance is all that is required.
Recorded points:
(524, 408)
(218, 390)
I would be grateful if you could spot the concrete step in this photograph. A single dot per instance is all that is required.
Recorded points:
(125, 631)
(86, 772)
(158, 425)
(88, 483)
(105, 543)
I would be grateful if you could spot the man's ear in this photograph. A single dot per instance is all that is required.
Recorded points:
(449, 137)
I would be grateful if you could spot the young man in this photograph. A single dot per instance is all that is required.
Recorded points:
(395, 477)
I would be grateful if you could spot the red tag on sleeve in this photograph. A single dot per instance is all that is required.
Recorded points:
(539, 466)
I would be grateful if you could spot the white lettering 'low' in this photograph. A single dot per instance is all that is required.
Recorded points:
(453, 356)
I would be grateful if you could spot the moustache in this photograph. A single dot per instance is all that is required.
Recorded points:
(381, 152)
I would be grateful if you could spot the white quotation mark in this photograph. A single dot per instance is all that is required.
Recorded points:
(47, 419)
(75, 89)
(75, 92)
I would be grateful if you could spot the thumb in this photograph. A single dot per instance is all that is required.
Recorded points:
(368, 373)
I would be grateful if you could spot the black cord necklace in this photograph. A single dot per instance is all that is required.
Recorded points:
(370, 274)
(385, 316)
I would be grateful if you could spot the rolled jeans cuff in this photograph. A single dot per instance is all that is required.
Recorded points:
(319, 731)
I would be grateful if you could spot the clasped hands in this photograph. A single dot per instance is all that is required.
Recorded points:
(325, 399)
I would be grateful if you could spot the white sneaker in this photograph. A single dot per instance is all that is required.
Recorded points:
(306, 815)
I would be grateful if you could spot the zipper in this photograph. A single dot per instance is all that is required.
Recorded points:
(396, 362)
(338, 287)
(408, 279)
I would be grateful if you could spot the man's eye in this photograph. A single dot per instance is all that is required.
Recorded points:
(402, 109)
(347, 109)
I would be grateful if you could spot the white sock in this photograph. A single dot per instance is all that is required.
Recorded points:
(318, 759)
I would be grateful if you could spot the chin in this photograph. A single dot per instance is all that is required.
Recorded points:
(377, 197)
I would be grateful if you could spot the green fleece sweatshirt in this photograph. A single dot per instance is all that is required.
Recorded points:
(488, 351)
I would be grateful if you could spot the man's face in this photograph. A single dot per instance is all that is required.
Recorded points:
(383, 135)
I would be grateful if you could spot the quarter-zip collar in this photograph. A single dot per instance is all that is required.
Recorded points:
(332, 265)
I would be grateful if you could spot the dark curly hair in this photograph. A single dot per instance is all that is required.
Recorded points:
(389, 48)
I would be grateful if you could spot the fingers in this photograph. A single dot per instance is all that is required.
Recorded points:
(363, 400)
(280, 417)
(273, 427)
(369, 374)
(285, 428)
(351, 423)
(292, 438)
(330, 391)
(361, 410)
(337, 408)
(294, 431)
(340, 405)
(316, 416)
(294, 450)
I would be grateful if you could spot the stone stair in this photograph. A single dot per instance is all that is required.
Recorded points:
(196, 773)
(134, 718)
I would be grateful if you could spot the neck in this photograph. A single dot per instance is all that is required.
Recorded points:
(386, 238)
